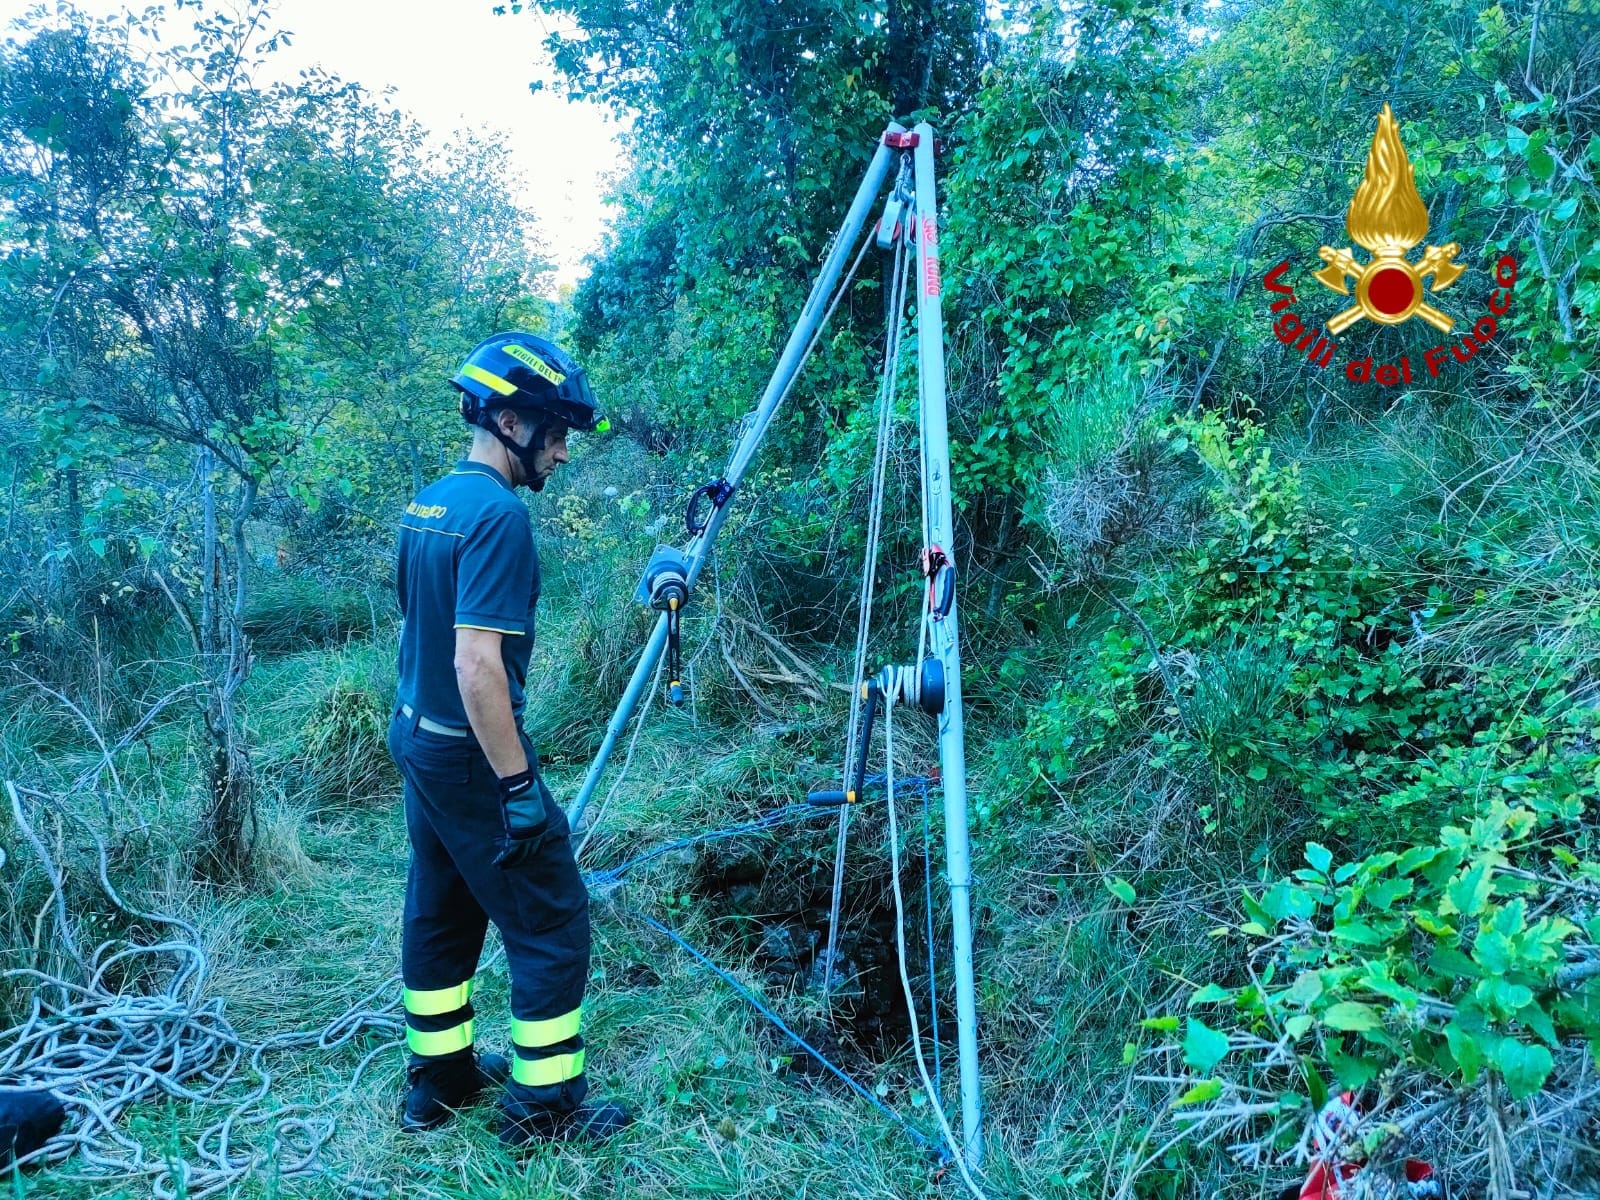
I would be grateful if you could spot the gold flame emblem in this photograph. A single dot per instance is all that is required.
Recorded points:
(1387, 218)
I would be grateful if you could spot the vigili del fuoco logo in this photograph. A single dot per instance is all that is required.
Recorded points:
(1387, 219)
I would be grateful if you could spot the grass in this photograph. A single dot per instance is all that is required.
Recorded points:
(721, 1111)
(1066, 969)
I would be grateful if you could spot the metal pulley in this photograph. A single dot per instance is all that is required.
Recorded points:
(889, 223)
(665, 588)
(896, 219)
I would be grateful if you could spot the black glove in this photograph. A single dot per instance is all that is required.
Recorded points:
(523, 812)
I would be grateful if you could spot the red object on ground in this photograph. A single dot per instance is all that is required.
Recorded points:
(1323, 1183)
(1325, 1180)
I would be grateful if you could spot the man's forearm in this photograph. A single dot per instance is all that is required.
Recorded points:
(487, 698)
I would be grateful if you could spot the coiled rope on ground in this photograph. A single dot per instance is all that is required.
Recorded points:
(101, 1050)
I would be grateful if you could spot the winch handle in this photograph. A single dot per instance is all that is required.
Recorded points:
(825, 799)
(858, 778)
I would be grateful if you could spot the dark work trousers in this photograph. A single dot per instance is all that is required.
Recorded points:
(541, 909)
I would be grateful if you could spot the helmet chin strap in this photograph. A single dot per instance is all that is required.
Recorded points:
(527, 456)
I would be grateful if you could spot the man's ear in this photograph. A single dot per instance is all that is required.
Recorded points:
(507, 422)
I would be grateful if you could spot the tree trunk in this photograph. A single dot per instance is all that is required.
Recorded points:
(230, 822)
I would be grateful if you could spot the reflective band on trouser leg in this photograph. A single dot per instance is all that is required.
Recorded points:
(535, 1034)
(547, 1072)
(446, 1041)
(437, 1002)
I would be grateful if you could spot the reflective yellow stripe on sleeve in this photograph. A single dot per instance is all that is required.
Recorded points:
(489, 379)
(446, 1041)
(545, 1072)
(437, 1002)
(534, 1034)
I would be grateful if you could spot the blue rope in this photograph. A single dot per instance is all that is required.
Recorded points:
(613, 876)
(916, 1134)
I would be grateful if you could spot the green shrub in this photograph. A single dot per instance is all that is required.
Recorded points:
(1469, 956)
(1288, 667)
(343, 741)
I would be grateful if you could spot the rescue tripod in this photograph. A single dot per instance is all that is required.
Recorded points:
(934, 682)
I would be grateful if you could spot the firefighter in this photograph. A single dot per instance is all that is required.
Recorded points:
(488, 841)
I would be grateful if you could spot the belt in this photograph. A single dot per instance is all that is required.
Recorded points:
(434, 726)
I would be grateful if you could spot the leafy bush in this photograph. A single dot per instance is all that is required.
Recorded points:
(1470, 959)
(1289, 666)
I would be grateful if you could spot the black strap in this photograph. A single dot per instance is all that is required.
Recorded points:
(674, 658)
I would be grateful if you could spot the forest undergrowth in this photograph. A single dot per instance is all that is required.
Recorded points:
(1283, 727)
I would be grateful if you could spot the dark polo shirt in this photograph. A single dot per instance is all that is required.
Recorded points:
(467, 561)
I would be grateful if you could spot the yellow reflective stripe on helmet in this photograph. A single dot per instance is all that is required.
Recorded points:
(529, 359)
(545, 1072)
(534, 1034)
(446, 1041)
(437, 1002)
(489, 379)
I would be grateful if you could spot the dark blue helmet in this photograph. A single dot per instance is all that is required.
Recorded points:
(521, 371)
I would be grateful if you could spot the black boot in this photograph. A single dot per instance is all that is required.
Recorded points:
(586, 1123)
(440, 1086)
(28, 1119)
(529, 1115)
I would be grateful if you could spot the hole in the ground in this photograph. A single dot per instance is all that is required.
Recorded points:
(774, 908)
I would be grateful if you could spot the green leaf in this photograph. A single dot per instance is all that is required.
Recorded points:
(1466, 1047)
(1200, 1093)
(1257, 914)
(1161, 1024)
(1212, 993)
(1385, 892)
(1541, 166)
(1358, 932)
(1447, 960)
(1536, 1019)
(1351, 1016)
(1121, 889)
(1306, 988)
(1316, 1086)
(1353, 1071)
(1319, 856)
(1203, 1047)
(1284, 900)
(1524, 1067)
(1471, 890)
(1418, 857)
